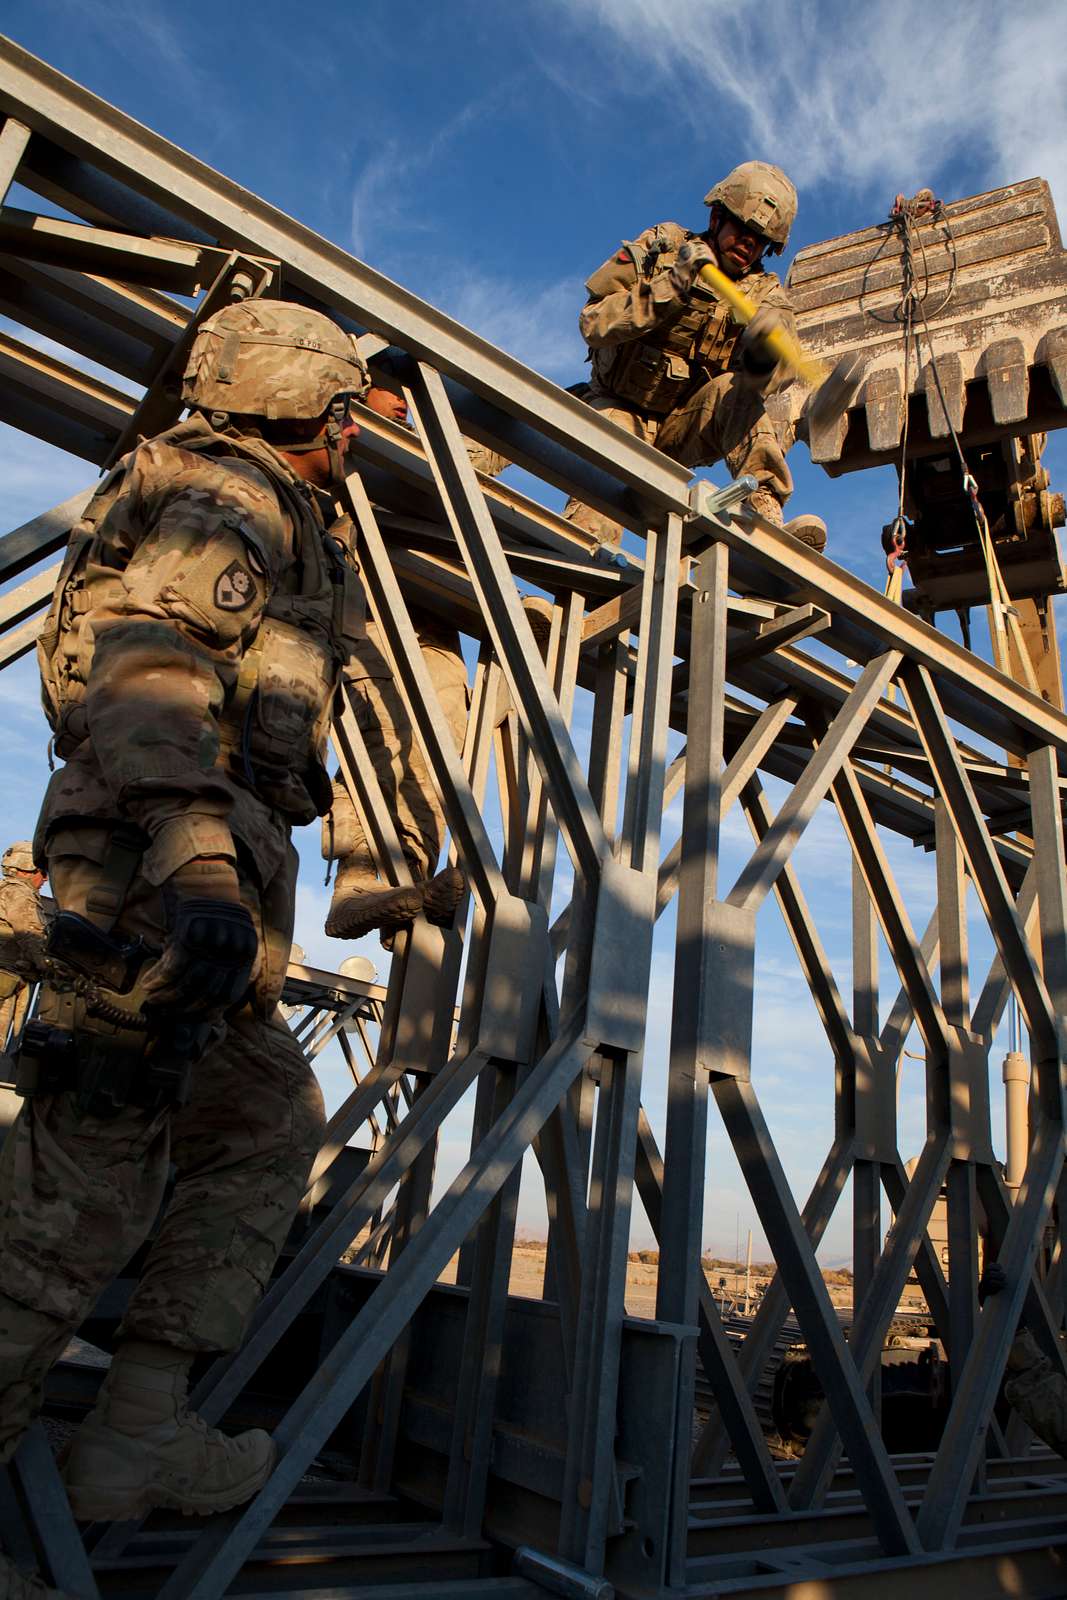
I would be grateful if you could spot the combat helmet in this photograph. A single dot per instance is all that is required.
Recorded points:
(271, 358)
(760, 196)
(18, 857)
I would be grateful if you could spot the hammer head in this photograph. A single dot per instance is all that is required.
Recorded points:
(838, 390)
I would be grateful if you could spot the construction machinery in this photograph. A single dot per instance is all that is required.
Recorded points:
(445, 1438)
(960, 315)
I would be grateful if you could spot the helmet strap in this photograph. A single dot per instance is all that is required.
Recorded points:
(329, 438)
(304, 448)
(335, 444)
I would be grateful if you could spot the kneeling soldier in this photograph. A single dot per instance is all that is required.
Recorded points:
(669, 363)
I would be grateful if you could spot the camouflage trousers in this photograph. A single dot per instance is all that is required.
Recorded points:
(13, 1006)
(79, 1194)
(725, 420)
(397, 758)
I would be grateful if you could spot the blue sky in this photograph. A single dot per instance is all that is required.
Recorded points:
(488, 157)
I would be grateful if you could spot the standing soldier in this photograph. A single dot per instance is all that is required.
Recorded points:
(672, 367)
(361, 901)
(22, 930)
(189, 664)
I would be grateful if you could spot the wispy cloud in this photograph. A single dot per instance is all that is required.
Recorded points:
(877, 97)
(176, 52)
(573, 80)
(382, 197)
(537, 325)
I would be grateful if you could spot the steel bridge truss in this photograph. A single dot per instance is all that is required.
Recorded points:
(562, 1425)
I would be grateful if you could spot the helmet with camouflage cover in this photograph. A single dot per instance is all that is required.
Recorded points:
(271, 358)
(18, 857)
(760, 196)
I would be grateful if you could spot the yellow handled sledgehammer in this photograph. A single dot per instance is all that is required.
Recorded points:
(836, 387)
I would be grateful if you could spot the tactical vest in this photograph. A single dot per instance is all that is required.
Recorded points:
(274, 725)
(658, 372)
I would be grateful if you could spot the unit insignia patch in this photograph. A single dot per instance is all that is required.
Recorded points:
(234, 588)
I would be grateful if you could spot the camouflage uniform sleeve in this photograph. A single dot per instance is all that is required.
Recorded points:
(22, 931)
(166, 652)
(623, 304)
(482, 459)
(1039, 1395)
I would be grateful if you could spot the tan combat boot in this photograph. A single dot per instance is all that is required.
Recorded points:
(808, 528)
(362, 902)
(141, 1447)
(18, 1585)
(539, 613)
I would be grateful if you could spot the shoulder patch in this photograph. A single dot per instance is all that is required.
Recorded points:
(235, 588)
(670, 233)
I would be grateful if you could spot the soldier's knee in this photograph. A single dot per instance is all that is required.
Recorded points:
(301, 1129)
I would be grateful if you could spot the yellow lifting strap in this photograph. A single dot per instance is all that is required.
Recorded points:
(894, 591)
(1003, 618)
(805, 367)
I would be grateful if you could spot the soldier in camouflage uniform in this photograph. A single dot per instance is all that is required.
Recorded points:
(22, 931)
(1032, 1385)
(669, 363)
(1038, 1393)
(189, 665)
(361, 902)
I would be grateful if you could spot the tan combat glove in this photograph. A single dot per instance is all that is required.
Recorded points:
(692, 255)
(757, 358)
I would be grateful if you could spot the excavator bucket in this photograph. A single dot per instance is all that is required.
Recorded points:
(991, 276)
(958, 313)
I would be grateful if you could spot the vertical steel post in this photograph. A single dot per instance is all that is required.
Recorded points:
(685, 1147)
(866, 1173)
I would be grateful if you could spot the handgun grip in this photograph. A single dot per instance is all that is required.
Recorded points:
(79, 944)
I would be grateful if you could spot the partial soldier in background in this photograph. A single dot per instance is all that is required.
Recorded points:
(189, 665)
(391, 403)
(1032, 1385)
(1037, 1391)
(361, 902)
(482, 459)
(669, 363)
(22, 933)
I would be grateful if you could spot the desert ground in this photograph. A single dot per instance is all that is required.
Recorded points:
(528, 1270)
